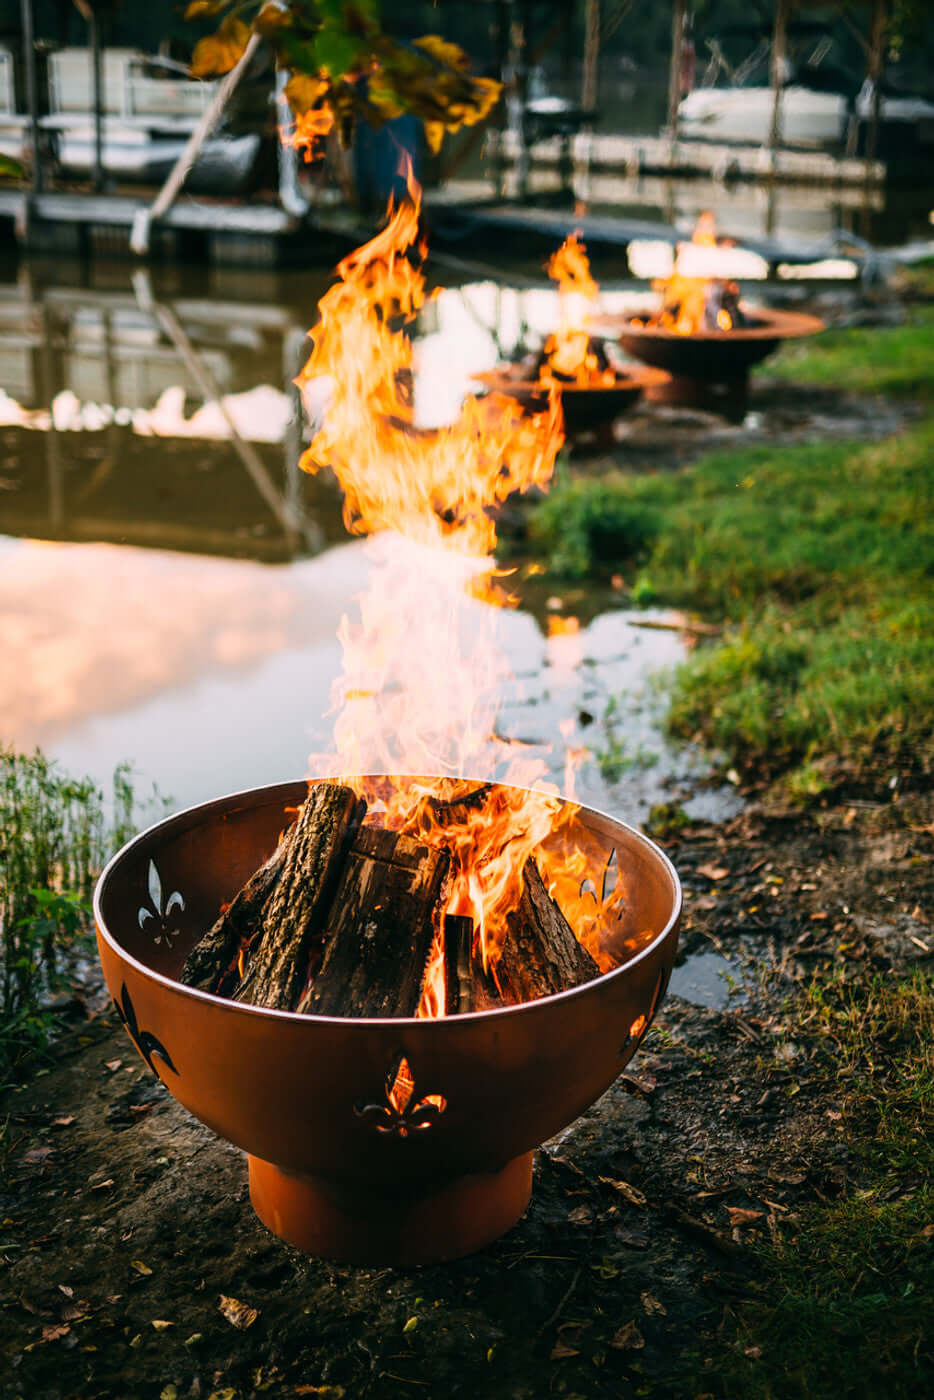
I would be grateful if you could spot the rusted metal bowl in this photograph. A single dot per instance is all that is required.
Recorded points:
(586, 409)
(335, 1167)
(715, 355)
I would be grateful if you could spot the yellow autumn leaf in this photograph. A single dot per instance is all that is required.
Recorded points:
(204, 9)
(271, 19)
(220, 52)
(434, 135)
(443, 51)
(304, 91)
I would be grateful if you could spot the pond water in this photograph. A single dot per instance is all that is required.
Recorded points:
(170, 595)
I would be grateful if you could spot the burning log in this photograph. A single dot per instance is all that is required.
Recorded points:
(279, 912)
(540, 955)
(380, 928)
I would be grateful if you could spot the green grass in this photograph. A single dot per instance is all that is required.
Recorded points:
(820, 557)
(840, 1306)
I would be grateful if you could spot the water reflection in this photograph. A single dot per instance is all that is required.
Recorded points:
(139, 616)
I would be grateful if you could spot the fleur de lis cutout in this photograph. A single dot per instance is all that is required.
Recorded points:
(404, 1111)
(174, 901)
(145, 1042)
(608, 883)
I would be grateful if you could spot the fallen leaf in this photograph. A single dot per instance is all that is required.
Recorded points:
(36, 1156)
(629, 1193)
(160, 1324)
(140, 1267)
(652, 1305)
(713, 872)
(237, 1314)
(560, 1350)
(113, 1065)
(753, 1352)
(54, 1331)
(581, 1215)
(411, 1325)
(63, 1122)
(739, 1216)
(628, 1338)
(103, 1185)
(68, 1291)
(193, 1340)
(169, 1392)
(228, 1393)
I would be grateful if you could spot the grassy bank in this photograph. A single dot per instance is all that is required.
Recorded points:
(817, 557)
(857, 1270)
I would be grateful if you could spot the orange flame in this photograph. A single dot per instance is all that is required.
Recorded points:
(569, 350)
(423, 672)
(692, 303)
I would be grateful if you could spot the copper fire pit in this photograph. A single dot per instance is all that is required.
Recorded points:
(710, 368)
(587, 408)
(335, 1167)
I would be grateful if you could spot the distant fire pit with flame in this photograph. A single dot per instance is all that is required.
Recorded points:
(395, 1141)
(702, 334)
(595, 389)
(587, 408)
(710, 368)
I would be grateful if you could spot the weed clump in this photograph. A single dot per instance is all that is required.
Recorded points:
(55, 835)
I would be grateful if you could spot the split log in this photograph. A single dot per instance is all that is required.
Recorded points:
(540, 955)
(379, 929)
(280, 912)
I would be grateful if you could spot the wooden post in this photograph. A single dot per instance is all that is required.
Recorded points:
(674, 74)
(779, 51)
(874, 69)
(590, 81)
(32, 92)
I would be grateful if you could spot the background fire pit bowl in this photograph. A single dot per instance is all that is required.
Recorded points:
(335, 1167)
(710, 368)
(587, 409)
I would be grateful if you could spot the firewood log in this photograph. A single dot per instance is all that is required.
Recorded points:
(278, 914)
(379, 928)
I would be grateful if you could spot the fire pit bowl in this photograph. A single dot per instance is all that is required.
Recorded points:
(709, 365)
(587, 409)
(336, 1167)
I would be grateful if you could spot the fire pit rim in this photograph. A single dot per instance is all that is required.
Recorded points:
(773, 324)
(288, 788)
(632, 377)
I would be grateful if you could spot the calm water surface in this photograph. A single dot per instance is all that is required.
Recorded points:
(170, 595)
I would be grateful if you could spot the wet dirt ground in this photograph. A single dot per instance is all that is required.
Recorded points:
(133, 1266)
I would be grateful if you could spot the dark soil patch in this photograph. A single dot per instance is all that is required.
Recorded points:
(125, 1221)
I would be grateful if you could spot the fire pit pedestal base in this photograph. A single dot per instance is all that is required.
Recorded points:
(359, 1225)
(729, 397)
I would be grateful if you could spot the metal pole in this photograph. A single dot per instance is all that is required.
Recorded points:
(144, 218)
(779, 50)
(97, 83)
(32, 90)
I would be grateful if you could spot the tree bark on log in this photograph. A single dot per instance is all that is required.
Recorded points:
(280, 912)
(379, 929)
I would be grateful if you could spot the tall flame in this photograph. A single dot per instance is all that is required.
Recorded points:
(422, 671)
(570, 353)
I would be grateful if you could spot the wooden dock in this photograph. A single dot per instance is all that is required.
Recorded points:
(658, 155)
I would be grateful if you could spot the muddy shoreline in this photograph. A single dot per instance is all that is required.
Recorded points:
(125, 1222)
